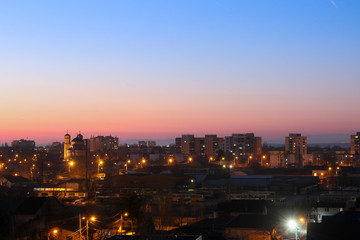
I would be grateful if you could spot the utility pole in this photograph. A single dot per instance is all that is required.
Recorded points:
(87, 229)
(80, 237)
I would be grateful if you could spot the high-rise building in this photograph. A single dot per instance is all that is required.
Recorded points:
(355, 143)
(211, 145)
(23, 144)
(187, 144)
(111, 143)
(296, 144)
(97, 144)
(102, 144)
(296, 149)
(242, 144)
(199, 146)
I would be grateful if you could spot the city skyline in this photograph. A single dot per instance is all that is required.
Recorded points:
(313, 139)
(159, 69)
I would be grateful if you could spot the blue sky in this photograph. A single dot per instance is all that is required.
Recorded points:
(270, 67)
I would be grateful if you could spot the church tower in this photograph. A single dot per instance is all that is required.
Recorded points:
(67, 145)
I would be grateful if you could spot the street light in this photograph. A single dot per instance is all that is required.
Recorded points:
(100, 163)
(92, 219)
(71, 163)
(54, 232)
(143, 161)
(120, 230)
(293, 226)
(170, 161)
(190, 159)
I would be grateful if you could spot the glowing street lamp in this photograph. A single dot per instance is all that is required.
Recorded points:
(71, 163)
(190, 159)
(120, 230)
(53, 232)
(170, 161)
(100, 163)
(143, 161)
(293, 227)
(91, 219)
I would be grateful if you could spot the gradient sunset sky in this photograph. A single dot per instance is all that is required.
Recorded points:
(158, 69)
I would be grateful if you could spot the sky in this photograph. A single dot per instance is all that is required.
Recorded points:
(158, 69)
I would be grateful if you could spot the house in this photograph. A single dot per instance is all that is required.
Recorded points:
(344, 225)
(73, 188)
(328, 209)
(36, 214)
(10, 180)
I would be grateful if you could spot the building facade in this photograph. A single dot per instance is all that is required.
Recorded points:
(103, 143)
(296, 149)
(355, 143)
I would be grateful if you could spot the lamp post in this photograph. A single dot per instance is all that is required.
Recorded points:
(293, 226)
(143, 161)
(170, 161)
(54, 232)
(71, 163)
(92, 219)
(99, 164)
(127, 164)
(121, 222)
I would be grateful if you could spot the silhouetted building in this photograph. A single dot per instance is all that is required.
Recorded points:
(199, 146)
(23, 144)
(187, 144)
(296, 144)
(296, 149)
(211, 145)
(242, 146)
(355, 143)
(102, 144)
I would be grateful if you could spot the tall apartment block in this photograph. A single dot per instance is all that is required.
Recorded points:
(187, 144)
(296, 149)
(101, 143)
(211, 145)
(296, 144)
(355, 143)
(242, 144)
(200, 146)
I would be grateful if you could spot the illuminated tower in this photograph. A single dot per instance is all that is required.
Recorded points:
(67, 145)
